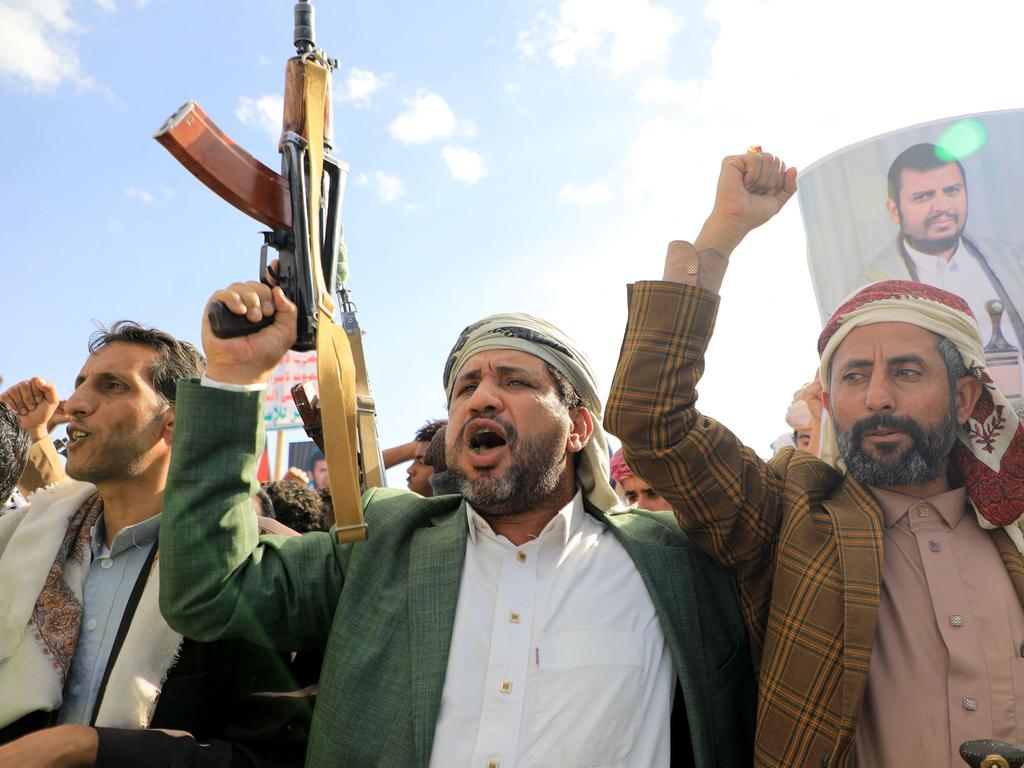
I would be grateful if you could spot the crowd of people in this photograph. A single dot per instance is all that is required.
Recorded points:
(530, 600)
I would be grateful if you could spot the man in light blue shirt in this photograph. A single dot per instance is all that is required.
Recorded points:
(90, 673)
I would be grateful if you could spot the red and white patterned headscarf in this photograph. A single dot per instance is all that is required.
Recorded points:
(990, 450)
(619, 468)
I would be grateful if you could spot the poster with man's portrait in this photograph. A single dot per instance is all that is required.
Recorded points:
(937, 203)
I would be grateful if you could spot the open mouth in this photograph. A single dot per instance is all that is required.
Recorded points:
(485, 439)
(74, 435)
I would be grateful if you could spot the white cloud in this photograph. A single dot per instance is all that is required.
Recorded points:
(627, 34)
(149, 195)
(38, 44)
(388, 188)
(658, 89)
(428, 118)
(106, 5)
(464, 164)
(360, 85)
(361, 180)
(265, 112)
(587, 194)
(142, 195)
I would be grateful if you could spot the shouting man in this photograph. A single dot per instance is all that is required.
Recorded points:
(519, 623)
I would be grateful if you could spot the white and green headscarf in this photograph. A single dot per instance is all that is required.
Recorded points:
(543, 340)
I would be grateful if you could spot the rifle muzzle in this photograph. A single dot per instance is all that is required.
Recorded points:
(305, 33)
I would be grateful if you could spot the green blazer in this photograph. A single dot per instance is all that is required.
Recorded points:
(383, 609)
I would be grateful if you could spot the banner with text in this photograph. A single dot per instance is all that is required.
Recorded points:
(280, 411)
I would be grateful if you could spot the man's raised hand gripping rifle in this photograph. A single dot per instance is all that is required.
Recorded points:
(302, 206)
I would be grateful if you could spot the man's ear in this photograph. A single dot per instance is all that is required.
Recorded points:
(968, 390)
(894, 211)
(826, 402)
(168, 434)
(582, 429)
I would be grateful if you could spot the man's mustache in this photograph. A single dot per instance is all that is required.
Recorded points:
(888, 422)
(955, 218)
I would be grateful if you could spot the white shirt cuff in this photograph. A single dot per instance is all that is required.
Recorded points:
(208, 382)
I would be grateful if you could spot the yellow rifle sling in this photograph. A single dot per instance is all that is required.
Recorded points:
(366, 417)
(335, 368)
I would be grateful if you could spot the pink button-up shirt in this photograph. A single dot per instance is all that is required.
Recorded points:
(946, 666)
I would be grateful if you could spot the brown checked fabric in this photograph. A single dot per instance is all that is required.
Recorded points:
(804, 542)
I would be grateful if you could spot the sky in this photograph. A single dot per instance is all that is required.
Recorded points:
(518, 156)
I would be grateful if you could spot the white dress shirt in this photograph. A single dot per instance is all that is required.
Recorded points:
(557, 656)
(964, 276)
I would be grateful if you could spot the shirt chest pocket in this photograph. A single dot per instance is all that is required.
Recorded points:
(589, 686)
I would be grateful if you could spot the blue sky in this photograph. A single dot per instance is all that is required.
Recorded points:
(531, 156)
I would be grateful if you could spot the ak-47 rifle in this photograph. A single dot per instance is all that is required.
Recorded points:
(298, 204)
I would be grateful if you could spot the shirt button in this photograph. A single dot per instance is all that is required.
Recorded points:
(934, 545)
(922, 510)
(956, 620)
(76, 689)
(106, 562)
(513, 618)
(970, 704)
(521, 556)
(90, 624)
(506, 686)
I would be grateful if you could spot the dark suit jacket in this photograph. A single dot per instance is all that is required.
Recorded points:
(386, 607)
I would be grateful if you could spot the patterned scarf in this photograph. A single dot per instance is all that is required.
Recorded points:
(57, 615)
(990, 450)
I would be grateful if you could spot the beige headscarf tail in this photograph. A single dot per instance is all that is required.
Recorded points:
(544, 340)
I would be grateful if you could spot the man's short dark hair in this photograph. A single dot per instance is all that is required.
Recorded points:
(314, 457)
(14, 445)
(177, 359)
(297, 506)
(920, 157)
(434, 456)
(426, 433)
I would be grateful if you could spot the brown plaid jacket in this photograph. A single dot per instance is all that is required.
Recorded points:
(804, 542)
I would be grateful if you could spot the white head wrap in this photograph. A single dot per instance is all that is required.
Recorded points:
(542, 339)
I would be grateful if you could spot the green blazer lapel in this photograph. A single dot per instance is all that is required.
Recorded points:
(436, 557)
(857, 522)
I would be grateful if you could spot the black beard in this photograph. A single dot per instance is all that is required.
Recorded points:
(919, 463)
(532, 477)
(934, 247)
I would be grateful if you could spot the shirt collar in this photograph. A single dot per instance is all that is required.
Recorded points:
(933, 265)
(138, 535)
(564, 524)
(950, 505)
